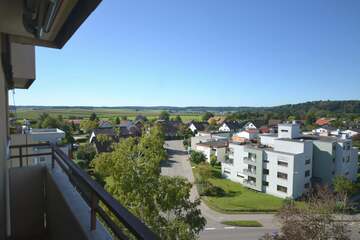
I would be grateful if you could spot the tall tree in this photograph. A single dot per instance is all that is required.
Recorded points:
(93, 117)
(206, 116)
(164, 115)
(132, 175)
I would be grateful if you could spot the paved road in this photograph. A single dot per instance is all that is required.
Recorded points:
(178, 165)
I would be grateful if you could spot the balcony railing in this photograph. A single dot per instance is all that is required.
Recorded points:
(249, 171)
(251, 160)
(92, 193)
(249, 182)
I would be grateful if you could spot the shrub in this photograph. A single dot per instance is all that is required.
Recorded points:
(210, 190)
(213, 160)
(197, 157)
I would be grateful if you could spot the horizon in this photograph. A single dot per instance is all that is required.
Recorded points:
(164, 106)
(203, 53)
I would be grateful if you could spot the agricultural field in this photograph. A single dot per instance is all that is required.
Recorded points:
(102, 113)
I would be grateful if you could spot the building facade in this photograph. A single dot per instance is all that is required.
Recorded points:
(286, 164)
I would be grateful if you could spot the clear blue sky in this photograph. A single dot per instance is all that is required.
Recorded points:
(204, 52)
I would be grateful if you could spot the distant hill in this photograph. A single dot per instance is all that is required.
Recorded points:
(352, 106)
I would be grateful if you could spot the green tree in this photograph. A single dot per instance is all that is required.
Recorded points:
(93, 117)
(117, 120)
(178, 118)
(197, 157)
(310, 118)
(88, 125)
(132, 175)
(213, 160)
(86, 152)
(206, 116)
(124, 117)
(164, 115)
(344, 187)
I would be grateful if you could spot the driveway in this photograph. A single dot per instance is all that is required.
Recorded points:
(179, 165)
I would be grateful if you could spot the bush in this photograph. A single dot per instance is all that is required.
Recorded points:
(213, 160)
(197, 157)
(86, 152)
(210, 190)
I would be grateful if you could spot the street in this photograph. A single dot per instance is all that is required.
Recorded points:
(178, 165)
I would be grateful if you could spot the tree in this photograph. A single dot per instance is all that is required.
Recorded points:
(206, 116)
(314, 220)
(310, 118)
(86, 152)
(197, 157)
(132, 175)
(117, 120)
(124, 117)
(93, 117)
(164, 115)
(213, 160)
(88, 125)
(178, 118)
(212, 122)
(344, 187)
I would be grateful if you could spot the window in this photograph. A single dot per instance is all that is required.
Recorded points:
(347, 173)
(266, 161)
(252, 156)
(282, 189)
(334, 147)
(227, 171)
(348, 147)
(239, 175)
(307, 173)
(348, 159)
(266, 171)
(307, 161)
(42, 159)
(284, 130)
(333, 172)
(343, 159)
(282, 175)
(281, 163)
(265, 183)
(333, 159)
(307, 185)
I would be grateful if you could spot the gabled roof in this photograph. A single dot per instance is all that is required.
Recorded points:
(105, 124)
(234, 125)
(323, 121)
(200, 126)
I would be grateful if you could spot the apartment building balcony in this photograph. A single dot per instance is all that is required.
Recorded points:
(250, 172)
(249, 160)
(249, 183)
(58, 200)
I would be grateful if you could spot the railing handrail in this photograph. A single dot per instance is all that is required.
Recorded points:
(131, 222)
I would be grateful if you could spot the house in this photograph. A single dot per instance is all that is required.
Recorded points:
(283, 164)
(327, 130)
(213, 147)
(249, 134)
(249, 125)
(351, 132)
(39, 135)
(323, 121)
(105, 124)
(196, 127)
(100, 144)
(169, 128)
(230, 126)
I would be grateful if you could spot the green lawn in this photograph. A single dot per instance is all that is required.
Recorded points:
(238, 198)
(243, 223)
(241, 199)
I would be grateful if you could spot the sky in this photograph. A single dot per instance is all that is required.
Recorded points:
(204, 53)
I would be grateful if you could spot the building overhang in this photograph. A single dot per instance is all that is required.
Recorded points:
(48, 23)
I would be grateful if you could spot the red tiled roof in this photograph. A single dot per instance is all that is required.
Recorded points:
(322, 121)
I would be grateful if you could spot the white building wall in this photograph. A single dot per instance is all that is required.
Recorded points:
(235, 169)
(224, 128)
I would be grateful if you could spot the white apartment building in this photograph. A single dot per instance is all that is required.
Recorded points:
(284, 164)
(34, 136)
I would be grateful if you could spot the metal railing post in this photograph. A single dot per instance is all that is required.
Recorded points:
(21, 157)
(52, 157)
(94, 204)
